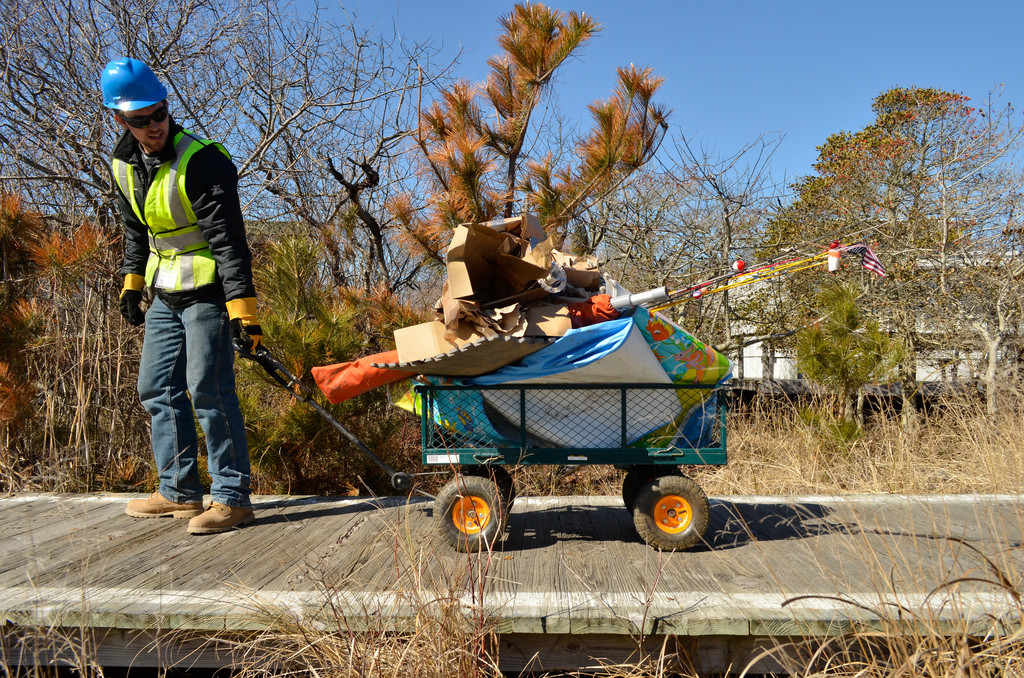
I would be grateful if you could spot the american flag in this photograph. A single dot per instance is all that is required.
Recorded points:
(868, 258)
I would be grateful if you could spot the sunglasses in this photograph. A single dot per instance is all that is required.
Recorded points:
(142, 121)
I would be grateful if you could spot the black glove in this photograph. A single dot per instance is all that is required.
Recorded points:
(247, 338)
(130, 309)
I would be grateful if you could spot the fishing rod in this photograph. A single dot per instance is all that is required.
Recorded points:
(661, 298)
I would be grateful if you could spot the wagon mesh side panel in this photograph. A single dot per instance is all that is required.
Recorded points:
(579, 417)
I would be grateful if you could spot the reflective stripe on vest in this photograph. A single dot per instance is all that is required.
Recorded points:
(180, 257)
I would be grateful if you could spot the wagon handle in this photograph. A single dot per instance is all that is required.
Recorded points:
(400, 481)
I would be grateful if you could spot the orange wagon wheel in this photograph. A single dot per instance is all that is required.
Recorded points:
(671, 513)
(471, 512)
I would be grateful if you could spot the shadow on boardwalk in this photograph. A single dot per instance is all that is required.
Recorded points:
(731, 525)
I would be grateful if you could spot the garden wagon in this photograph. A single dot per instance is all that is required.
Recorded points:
(554, 424)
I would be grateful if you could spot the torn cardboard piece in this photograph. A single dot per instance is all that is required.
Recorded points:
(543, 320)
(432, 338)
(487, 318)
(474, 359)
(518, 273)
(493, 295)
(469, 271)
(525, 226)
(581, 272)
(496, 259)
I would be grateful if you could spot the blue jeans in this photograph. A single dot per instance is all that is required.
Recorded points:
(188, 365)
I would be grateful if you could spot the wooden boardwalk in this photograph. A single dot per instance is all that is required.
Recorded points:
(572, 586)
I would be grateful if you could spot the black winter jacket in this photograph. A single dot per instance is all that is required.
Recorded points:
(211, 182)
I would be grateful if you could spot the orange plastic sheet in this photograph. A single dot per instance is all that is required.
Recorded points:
(343, 381)
(596, 309)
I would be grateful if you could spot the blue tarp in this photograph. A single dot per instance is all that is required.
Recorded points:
(577, 348)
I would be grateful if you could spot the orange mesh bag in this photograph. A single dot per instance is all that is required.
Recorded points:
(342, 381)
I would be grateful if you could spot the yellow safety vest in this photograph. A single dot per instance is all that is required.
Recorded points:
(179, 256)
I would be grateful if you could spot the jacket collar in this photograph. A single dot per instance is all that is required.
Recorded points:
(128, 149)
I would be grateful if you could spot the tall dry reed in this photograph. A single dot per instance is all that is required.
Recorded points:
(786, 449)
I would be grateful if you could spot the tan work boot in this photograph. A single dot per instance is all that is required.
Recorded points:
(220, 517)
(156, 506)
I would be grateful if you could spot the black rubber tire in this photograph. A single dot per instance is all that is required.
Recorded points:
(636, 477)
(508, 486)
(499, 474)
(671, 513)
(471, 512)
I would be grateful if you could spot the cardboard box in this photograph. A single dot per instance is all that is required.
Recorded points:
(540, 255)
(581, 272)
(484, 265)
(426, 340)
(518, 273)
(466, 261)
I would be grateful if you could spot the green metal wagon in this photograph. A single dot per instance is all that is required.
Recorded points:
(480, 431)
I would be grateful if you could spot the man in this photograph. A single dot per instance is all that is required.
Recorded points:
(186, 240)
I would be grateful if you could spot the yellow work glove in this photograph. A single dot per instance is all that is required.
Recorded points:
(131, 298)
(246, 332)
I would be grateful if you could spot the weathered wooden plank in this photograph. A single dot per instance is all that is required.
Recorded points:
(533, 563)
(555, 582)
(707, 655)
(281, 541)
(115, 647)
(523, 653)
(508, 568)
(36, 513)
(634, 578)
(46, 527)
(596, 590)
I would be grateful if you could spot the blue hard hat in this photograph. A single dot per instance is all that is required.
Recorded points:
(128, 85)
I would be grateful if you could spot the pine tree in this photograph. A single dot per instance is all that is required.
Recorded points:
(474, 139)
(845, 350)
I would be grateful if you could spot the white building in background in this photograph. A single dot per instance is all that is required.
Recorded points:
(936, 366)
(949, 365)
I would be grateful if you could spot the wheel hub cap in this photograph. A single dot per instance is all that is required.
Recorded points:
(672, 514)
(471, 514)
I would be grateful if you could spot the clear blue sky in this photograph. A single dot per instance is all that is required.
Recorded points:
(736, 69)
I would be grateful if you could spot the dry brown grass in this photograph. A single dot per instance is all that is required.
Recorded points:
(788, 450)
(444, 642)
